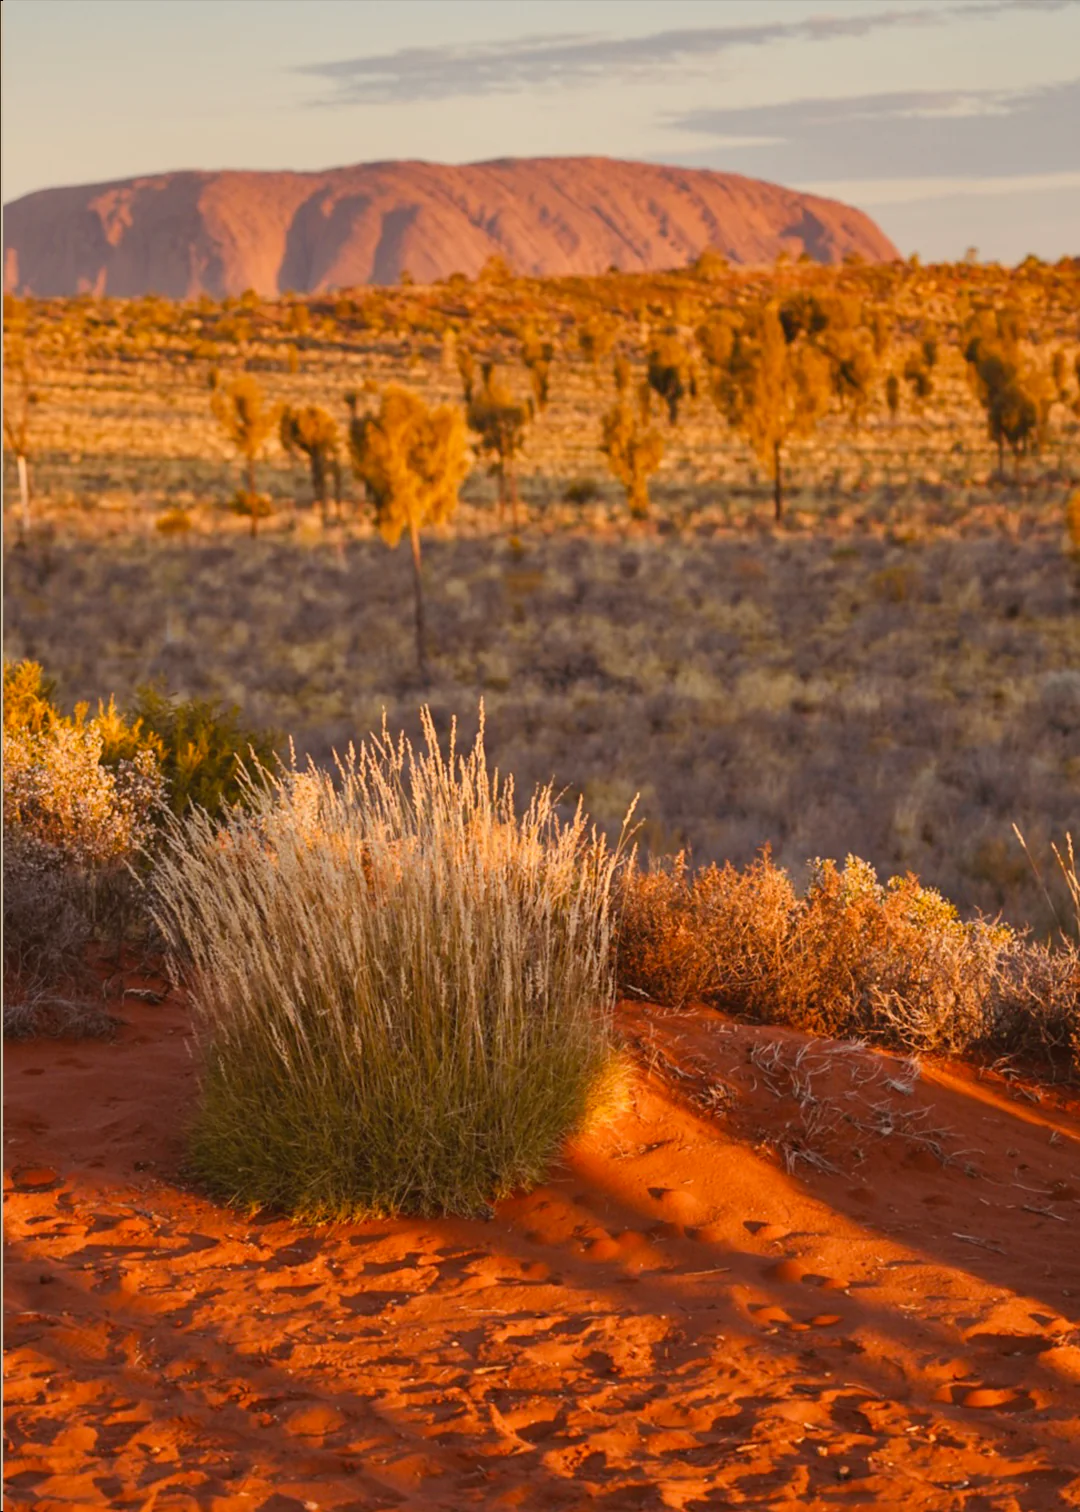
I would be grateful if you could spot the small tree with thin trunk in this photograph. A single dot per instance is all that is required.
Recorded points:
(1008, 392)
(247, 422)
(892, 395)
(538, 353)
(772, 383)
(19, 400)
(500, 422)
(596, 337)
(466, 366)
(412, 459)
(670, 373)
(634, 451)
(313, 432)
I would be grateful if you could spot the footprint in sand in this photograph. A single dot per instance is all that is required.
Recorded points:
(765, 1313)
(827, 1283)
(35, 1179)
(1012, 1344)
(786, 1270)
(678, 1205)
(763, 1230)
(707, 1233)
(1004, 1398)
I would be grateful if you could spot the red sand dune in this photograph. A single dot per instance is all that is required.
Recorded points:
(183, 234)
(787, 1274)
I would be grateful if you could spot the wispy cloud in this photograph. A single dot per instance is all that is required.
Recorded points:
(874, 193)
(907, 134)
(436, 73)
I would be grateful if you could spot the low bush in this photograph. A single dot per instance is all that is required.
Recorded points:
(202, 746)
(851, 956)
(83, 800)
(402, 989)
(72, 827)
(583, 490)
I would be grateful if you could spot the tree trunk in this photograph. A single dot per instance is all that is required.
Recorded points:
(514, 516)
(418, 591)
(318, 485)
(639, 498)
(778, 484)
(338, 509)
(249, 472)
(501, 475)
(24, 492)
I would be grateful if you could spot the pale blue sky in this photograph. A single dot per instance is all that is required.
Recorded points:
(953, 122)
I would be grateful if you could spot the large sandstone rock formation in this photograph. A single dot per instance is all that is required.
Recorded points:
(183, 234)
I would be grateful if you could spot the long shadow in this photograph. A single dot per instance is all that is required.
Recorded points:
(1044, 1149)
(370, 1316)
(650, 1294)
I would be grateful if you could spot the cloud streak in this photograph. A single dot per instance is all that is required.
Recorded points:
(437, 73)
(905, 134)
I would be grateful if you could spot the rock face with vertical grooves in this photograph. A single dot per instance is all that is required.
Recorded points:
(185, 234)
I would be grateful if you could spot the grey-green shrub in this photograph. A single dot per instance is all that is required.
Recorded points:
(402, 989)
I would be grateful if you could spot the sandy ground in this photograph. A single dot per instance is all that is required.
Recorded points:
(786, 1274)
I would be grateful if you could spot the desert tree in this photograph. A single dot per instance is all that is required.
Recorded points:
(247, 422)
(412, 459)
(626, 389)
(881, 333)
(1059, 370)
(312, 432)
(538, 353)
(805, 315)
(772, 383)
(710, 264)
(1009, 394)
(892, 396)
(466, 366)
(596, 337)
(919, 378)
(853, 369)
(500, 423)
(851, 343)
(20, 397)
(670, 372)
(634, 451)
(298, 319)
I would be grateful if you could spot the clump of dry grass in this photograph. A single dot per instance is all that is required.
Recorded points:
(851, 956)
(402, 989)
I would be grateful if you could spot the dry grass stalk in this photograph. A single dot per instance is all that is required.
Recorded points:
(402, 988)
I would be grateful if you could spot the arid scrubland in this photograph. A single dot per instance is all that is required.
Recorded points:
(668, 1182)
(893, 669)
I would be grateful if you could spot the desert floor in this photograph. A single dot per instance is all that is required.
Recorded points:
(827, 692)
(784, 1273)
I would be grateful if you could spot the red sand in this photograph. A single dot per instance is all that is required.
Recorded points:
(674, 1320)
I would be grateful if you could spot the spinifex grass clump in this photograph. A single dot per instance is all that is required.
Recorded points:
(402, 989)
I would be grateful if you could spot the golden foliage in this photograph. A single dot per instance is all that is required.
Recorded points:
(412, 459)
(634, 452)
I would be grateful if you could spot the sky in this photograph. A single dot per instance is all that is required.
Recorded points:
(953, 123)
